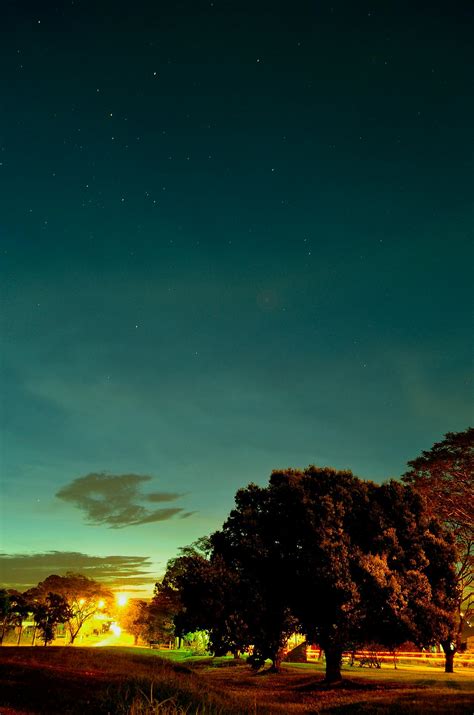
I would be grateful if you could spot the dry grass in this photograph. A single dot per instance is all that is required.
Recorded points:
(65, 680)
(299, 690)
(119, 681)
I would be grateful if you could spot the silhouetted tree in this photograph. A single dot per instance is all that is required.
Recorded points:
(256, 601)
(344, 560)
(83, 596)
(201, 594)
(366, 561)
(14, 608)
(135, 619)
(53, 609)
(4, 612)
(161, 613)
(444, 476)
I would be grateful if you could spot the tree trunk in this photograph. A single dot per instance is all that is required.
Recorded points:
(4, 627)
(333, 664)
(449, 662)
(449, 650)
(449, 653)
(276, 665)
(20, 631)
(276, 658)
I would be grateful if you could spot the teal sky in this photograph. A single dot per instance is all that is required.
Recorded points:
(234, 237)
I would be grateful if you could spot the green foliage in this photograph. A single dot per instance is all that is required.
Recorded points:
(195, 591)
(197, 642)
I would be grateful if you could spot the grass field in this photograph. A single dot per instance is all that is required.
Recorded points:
(65, 680)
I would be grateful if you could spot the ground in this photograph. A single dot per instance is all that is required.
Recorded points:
(62, 680)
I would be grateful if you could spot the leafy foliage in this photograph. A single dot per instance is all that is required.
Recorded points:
(365, 561)
(135, 620)
(193, 593)
(14, 608)
(444, 476)
(83, 596)
(53, 609)
(342, 560)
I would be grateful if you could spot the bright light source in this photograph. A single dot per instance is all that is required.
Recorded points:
(116, 630)
(101, 604)
(82, 601)
(121, 599)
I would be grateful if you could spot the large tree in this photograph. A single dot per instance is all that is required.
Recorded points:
(366, 562)
(444, 476)
(342, 559)
(84, 596)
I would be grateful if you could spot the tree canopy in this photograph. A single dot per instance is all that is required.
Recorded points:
(342, 560)
(444, 476)
(50, 611)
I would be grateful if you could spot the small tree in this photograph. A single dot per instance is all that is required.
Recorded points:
(13, 610)
(199, 593)
(444, 476)
(161, 613)
(135, 619)
(48, 613)
(4, 612)
(182, 598)
(19, 609)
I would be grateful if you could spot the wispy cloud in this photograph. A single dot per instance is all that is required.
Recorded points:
(117, 500)
(22, 571)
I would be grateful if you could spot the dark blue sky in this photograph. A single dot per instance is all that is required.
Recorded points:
(234, 237)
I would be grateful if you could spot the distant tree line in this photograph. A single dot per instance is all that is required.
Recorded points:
(345, 562)
(71, 600)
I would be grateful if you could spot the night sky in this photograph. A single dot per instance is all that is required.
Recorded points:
(235, 236)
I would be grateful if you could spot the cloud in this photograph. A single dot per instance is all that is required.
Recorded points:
(116, 500)
(22, 571)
